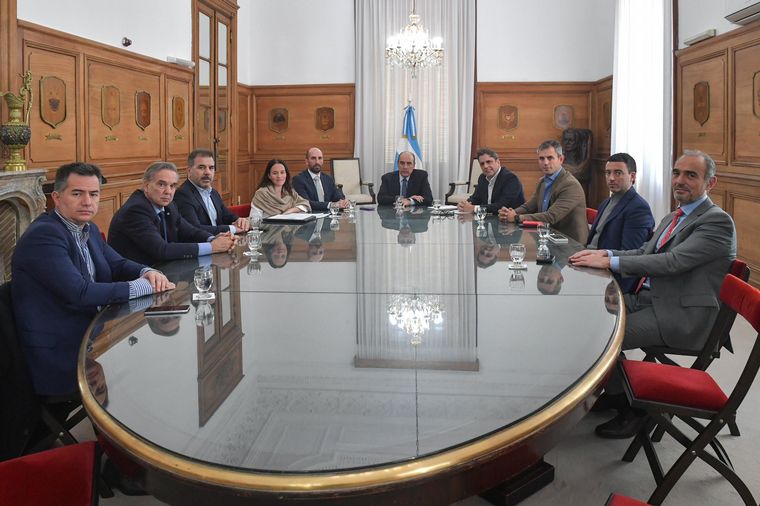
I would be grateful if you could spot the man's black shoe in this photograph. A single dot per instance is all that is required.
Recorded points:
(115, 479)
(609, 401)
(625, 425)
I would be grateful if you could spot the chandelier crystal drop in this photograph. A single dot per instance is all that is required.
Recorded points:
(414, 313)
(412, 48)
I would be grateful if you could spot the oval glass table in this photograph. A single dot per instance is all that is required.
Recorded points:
(373, 358)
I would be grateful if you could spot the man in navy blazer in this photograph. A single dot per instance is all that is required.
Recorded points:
(497, 187)
(418, 191)
(149, 229)
(624, 220)
(200, 204)
(63, 272)
(305, 184)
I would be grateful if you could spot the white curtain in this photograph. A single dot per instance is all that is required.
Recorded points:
(642, 95)
(442, 96)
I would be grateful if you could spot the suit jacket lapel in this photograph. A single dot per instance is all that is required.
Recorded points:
(691, 218)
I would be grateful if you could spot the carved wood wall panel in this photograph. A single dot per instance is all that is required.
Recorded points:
(302, 103)
(730, 64)
(534, 105)
(703, 109)
(84, 68)
(601, 126)
(125, 138)
(53, 145)
(746, 72)
(246, 182)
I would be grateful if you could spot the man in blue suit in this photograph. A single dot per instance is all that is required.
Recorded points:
(63, 272)
(316, 186)
(200, 204)
(148, 228)
(624, 221)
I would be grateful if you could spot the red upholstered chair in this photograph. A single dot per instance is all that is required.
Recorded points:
(242, 210)
(64, 475)
(664, 391)
(719, 338)
(621, 500)
(591, 215)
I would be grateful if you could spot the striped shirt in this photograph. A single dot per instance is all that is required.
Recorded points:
(81, 234)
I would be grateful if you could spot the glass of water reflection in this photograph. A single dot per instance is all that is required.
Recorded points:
(517, 254)
(254, 243)
(203, 278)
(480, 213)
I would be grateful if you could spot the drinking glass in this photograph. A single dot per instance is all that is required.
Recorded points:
(351, 206)
(517, 281)
(203, 278)
(480, 213)
(334, 211)
(335, 224)
(204, 315)
(255, 217)
(517, 254)
(399, 204)
(543, 232)
(254, 243)
(436, 206)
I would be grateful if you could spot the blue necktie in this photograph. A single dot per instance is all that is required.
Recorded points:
(162, 222)
(403, 187)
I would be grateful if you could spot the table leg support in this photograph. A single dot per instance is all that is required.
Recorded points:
(521, 486)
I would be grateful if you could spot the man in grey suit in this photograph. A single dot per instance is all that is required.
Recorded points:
(682, 267)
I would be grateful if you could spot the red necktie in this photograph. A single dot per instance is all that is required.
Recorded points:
(661, 241)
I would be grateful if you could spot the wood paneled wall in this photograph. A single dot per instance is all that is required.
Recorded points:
(529, 110)
(284, 121)
(106, 106)
(718, 111)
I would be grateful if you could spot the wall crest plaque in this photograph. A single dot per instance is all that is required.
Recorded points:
(756, 94)
(52, 100)
(142, 109)
(278, 120)
(508, 117)
(178, 113)
(325, 118)
(702, 102)
(563, 116)
(110, 106)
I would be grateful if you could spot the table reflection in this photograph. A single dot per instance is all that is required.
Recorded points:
(381, 350)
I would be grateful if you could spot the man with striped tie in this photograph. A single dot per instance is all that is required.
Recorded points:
(681, 269)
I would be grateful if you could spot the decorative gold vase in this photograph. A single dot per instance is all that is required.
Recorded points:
(15, 134)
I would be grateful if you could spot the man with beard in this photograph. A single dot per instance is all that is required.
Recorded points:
(681, 269)
(316, 186)
(200, 204)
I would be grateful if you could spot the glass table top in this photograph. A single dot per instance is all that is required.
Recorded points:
(361, 341)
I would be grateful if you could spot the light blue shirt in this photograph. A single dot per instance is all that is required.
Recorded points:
(204, 248)
(687, 210)
(548, 183)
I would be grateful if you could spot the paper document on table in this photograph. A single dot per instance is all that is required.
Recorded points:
(445, 208)
(290, 218)
(320, 215)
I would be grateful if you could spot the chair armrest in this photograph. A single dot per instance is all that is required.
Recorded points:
(340, 186)
(452, 189)
(370, 187)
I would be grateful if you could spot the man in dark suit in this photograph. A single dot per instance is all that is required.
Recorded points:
(558, 200)
(63, 272)
(681, 267)
(497, 187)
(200, 204)
(412, 185)
(624, 220)
(148, 228)
(316, 186)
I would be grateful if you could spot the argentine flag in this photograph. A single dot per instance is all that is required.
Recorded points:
(408, 141)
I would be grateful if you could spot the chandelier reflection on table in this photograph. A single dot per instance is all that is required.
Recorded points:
(414, 313)
(412, 48)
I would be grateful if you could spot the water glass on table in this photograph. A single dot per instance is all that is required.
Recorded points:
(517, 254)
(203, 277)
(480, 213)
(543, 232)
(254, 243)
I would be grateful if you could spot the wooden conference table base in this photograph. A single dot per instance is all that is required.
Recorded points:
(182, 459)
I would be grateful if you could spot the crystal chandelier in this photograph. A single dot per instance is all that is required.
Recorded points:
(414, 313)
(412, 49)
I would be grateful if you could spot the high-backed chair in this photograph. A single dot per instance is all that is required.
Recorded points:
(469, 185)
(348, 177)
(22, 408)
(664, 391)
(591, 215)
(63, 475)
(720, 337)
(241, 210)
